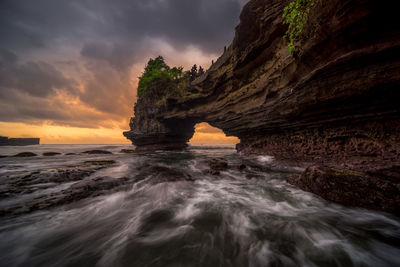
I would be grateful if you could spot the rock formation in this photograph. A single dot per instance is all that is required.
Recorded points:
(334, 101)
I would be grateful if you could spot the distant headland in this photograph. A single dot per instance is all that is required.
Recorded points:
(5, 141)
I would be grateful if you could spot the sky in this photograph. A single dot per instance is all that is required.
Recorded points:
(69, 69)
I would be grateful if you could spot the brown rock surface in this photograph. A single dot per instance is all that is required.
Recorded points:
(350, 188)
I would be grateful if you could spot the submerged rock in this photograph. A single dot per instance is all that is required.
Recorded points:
(241, 167)
(349, 187)
(128, 151)
(27, 182)
(216, 166)
(93, 152)
(100, 162)
(85, 186)
(51, 154)
(84, 189)
(161, 174)
(25, 154)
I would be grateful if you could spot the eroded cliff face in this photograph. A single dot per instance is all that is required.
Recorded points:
(337, 95)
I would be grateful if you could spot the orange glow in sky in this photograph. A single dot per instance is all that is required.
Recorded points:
(51, 134)
(98, 111)
(206, 134)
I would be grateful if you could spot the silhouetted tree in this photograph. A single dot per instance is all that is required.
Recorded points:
(193, 73)
(201, 71)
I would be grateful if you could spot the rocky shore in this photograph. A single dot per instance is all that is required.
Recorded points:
(333, 102)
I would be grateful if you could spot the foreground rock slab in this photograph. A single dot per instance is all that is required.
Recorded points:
(25, 154)
(81, 190)
(26, 182)
(351, 188)
(94, 152)
(51, 154)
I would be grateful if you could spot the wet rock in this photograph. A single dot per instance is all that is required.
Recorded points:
(27, 182)
(51, 154)
(71, 154)
(128, 151)
(250, 176)
(216, 166)
(25, 154)
(161, 174)
(391, 173)
(349, 187)
(1, 156)
(94, 152)
(100, 162)
(241, 167)
(81, 190)
(96, 184)
(213, 172)
(164, 174)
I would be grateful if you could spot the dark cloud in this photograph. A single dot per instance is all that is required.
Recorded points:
(34, 78)
(120, 56)
(30, 24)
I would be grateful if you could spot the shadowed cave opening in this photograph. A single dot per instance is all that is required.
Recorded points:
(206, 134)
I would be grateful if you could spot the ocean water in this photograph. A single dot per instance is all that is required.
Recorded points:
(249, 217)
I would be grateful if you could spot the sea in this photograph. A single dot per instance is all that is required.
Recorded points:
(172, 211)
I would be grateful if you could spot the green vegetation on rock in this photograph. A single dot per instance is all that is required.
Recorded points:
(296, 14)
(159, 80)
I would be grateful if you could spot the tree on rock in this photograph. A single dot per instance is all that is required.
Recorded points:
(193, 73)
(201, 71)
(159, 80)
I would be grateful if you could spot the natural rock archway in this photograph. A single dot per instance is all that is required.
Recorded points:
(205, 134)
(337, 95)
(333, 102)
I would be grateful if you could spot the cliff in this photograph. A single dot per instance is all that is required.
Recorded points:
(333, 102)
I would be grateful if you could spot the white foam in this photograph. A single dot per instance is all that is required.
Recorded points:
(265, 159)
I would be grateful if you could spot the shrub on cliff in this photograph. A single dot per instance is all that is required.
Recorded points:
(159, 80)
(296, 14)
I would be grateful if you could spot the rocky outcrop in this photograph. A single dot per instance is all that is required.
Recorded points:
(334, 101)
(25, 182)
(337, 95)
(149, 132)
(352, 188)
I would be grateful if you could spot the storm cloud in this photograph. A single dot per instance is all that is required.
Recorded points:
(34, 78)
(59, 59)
